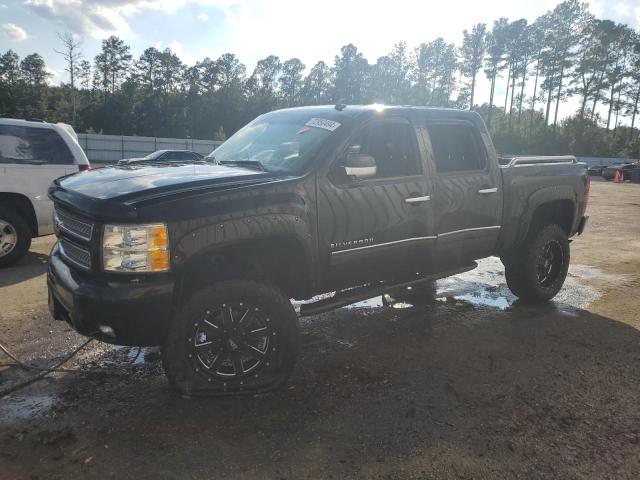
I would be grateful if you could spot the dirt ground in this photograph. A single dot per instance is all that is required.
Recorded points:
(477, 386)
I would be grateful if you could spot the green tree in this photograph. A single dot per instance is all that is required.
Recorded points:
(9, 77)
(112, 64)
(350, 73)
(618, 69)
(317, 84)
(291, 81)
(72, 55)
(474, 47)
(496, 51)
(566, 24)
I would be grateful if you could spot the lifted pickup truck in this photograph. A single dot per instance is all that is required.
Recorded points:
(204, 257)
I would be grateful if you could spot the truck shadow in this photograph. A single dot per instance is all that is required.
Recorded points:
(454, 390)
(29, 266)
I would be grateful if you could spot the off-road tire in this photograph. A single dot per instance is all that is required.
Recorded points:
(183, 363)
(23, 232)
(522, 268)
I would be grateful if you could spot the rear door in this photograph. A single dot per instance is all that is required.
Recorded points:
(468, 196)
(30, 159)
(378, 227)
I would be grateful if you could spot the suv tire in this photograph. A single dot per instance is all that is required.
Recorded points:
(233, 337)
(538, 270)
(15, 236)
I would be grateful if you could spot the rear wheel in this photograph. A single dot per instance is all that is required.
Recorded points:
(15, 236)
(232, 337)
(538, 270)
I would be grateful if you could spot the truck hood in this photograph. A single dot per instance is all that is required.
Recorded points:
(130, 182)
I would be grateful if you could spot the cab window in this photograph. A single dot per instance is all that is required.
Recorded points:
(456, 148)
(393, 146)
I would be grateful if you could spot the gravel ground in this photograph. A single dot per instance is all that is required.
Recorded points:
(477, 386)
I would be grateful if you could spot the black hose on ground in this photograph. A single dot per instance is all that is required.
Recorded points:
(43, 373)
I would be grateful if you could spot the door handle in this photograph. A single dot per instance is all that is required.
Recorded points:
(487, 191)
(422, 199)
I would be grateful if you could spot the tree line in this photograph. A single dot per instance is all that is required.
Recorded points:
(564, 54)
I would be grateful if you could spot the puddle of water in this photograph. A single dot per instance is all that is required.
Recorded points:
(484, 298)
(135, 355)
(24, 406)
(375, 302)
(485, 286)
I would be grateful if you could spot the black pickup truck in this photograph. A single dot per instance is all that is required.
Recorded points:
(350, 202)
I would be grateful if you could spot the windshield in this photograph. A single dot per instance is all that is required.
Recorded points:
(278, 146)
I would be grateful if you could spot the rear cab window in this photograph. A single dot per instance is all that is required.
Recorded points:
(456, 148)
(32, 145)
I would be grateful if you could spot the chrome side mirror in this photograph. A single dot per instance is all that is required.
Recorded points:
(360, 166)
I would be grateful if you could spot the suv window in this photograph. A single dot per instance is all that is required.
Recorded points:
(456, 148)
(393, 146)
(26, 144)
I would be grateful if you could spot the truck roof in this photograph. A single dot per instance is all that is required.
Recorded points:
(352, 111)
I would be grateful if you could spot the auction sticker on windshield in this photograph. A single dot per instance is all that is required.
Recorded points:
(323, 123)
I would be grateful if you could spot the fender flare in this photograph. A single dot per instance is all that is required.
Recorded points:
(541, 197)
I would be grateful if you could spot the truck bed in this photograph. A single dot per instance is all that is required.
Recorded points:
(525, 178)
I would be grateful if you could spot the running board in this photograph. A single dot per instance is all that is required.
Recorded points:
(353, 295)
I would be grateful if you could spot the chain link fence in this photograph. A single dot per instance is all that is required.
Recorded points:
(105, 149)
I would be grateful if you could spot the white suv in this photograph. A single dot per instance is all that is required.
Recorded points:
(32, 154)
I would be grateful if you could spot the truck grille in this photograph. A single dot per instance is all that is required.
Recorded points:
(73, 225)
(75, 254)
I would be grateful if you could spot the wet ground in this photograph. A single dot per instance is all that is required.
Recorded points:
(474, 386)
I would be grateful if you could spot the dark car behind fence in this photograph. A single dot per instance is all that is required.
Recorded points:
(108, 149)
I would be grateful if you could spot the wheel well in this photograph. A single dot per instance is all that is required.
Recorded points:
(281, 262)
(560, 212)
(23, 206)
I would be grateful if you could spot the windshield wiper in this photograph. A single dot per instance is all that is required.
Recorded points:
(255, 164)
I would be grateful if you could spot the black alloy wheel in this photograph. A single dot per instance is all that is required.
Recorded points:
(232, 337)
(231, 342)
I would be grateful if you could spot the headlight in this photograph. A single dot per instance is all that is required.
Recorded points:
(135, 248)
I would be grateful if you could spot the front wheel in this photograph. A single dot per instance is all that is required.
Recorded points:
(230, 338)
(538, 270)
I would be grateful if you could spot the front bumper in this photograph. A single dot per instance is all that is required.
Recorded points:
(127, 310)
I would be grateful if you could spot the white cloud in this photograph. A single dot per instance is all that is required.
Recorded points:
(98, 18)
(623, 11)
(179, 49)
(13, 32)
(185, 55)
(57, 75)
(277, 22)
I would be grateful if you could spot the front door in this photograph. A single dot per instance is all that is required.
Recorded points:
(468, 196)
(376, 228)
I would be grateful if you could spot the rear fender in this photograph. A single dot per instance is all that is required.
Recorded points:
(544, 196)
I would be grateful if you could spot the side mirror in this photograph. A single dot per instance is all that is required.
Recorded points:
(360, 166)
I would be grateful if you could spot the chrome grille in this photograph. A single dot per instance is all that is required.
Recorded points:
(77, 255)
(73, 225)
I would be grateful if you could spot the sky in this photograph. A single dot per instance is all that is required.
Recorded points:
(253, 29)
